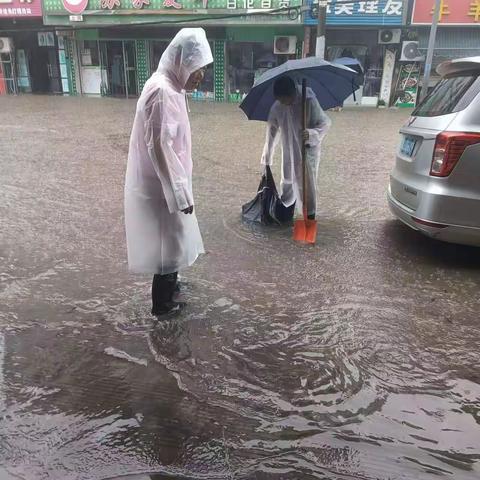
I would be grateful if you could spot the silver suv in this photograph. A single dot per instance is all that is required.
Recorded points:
(435, 185)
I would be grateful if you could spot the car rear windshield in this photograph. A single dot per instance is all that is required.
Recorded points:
(446, 96)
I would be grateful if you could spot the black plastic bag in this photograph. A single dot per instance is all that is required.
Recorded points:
(267, 208)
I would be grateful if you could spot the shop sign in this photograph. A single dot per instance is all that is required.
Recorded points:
(46, 39)
(360, 12)
(452, 12)
(387, 78)
(172, 3)
(75, 6)
(20, 8)
(112, 4)
(209, 7)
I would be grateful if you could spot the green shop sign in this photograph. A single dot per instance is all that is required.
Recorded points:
(173, 11)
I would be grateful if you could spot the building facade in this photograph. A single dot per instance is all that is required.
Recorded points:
(113, 46)
(31, 59)
(371, 32)
(458, 34)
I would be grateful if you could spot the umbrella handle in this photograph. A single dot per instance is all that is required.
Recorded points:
(304, 146)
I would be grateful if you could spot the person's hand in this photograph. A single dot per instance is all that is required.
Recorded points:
(305, 135)
(188, 211)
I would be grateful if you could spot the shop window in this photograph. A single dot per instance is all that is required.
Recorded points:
(371, 61)
(206, 87)
(359, 52)
(156, 51)
(374, 72)
(247, 61)
(89, 53)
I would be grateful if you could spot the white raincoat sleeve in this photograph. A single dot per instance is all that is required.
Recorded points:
(318, 122)
(272, 137)
(160, 131)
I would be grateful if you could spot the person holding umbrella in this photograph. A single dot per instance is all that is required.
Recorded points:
(296, 114)
(285, 120)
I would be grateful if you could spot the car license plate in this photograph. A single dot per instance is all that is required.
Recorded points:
(408, 146)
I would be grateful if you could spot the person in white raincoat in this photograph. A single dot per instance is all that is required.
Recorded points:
(285, 121)
(162, 232)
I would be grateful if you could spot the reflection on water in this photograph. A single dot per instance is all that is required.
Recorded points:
(354, 359)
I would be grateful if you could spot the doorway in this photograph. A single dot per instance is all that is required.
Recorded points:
(45, 70)
(120, 62)
(8, 82)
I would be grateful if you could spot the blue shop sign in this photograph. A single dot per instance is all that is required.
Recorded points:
(376, 12)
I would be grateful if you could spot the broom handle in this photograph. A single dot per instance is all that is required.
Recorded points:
(304, 146)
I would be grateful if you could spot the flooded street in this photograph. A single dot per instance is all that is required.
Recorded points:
(358, 358)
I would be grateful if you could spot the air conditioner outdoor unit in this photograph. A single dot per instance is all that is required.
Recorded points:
(410, 52)
(386, 37)
(285, 45)
(6, 45)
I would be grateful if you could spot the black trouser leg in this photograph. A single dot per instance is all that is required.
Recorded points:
(163, 289)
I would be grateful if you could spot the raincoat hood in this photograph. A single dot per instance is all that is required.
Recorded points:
(187, 52)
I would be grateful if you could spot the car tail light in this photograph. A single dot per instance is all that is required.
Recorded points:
(449, 147)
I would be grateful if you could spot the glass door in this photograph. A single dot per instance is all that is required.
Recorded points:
(54, 71)
(130, 61)
(118, 63)
(116, 69)
(23, 72)
(7, 74)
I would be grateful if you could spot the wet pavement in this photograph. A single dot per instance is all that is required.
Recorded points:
(358, 358)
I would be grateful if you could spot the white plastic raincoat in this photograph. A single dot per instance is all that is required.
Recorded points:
(286, 121)
(158, 186)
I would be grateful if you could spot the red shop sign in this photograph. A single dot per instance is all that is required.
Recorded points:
(20, 8)
(452, 12)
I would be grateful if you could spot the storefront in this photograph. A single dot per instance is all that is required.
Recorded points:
(110, 63)
(252, 51)
(112, 57)
(372, 33)
(30, 57)
(458, 34)
(106, 67)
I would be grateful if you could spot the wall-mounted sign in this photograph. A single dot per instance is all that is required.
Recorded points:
(376, 12)
(20, 8)
(387, 79)
(172, 3)
(452, 12)
(110, 4)
(138, 4)
(75, 6)
(46, 39)
(287, 12)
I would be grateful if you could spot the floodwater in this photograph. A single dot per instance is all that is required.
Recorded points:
(354, 359)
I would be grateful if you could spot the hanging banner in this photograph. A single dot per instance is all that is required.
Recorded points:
(388, 69)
